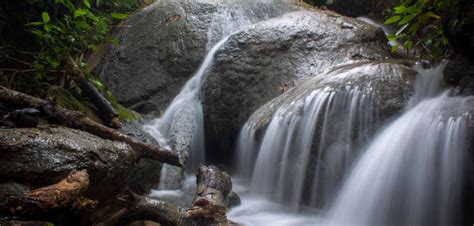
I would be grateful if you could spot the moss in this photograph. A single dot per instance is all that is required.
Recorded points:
(125, 114)
(75, 102)
(72, 101)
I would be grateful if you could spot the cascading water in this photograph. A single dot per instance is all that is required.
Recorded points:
(182, 122)
(412, 174)
(298, 155)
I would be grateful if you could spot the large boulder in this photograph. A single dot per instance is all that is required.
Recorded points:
(147, 171)
(389, 82)
(256, 64)
(313, 131)
(160, 47)
(33, 157)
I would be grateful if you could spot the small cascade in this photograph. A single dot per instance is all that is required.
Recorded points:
(303, 155)
(187, 103)
(412, 173)
(385, 29)
(180, 128)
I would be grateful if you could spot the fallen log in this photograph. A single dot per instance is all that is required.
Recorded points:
(145, 209)
(80, 121)
(105, 110)
(207, 209)
(57, 203)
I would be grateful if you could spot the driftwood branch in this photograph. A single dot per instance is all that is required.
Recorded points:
(208, 207)
(56, 203)
(105, 110)
(80, 121)
(145, 209)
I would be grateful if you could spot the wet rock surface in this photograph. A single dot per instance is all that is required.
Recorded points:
(147, 171)
(459, 72)
(257, 63)
(38, 157)
(390, 84)
(160, 47)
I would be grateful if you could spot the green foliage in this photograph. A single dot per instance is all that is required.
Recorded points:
(421, 26)
(79, 29)
(72, 101)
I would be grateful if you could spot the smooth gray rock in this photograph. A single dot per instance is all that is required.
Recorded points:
(160, 47)
(254, 65)
(390, 84)
(40, 157)
(147, 171)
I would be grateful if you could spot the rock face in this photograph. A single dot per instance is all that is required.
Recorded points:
(459, 72)
(147, 171)
(256, 63)
(389, 83)
(39, 157)
(160, 47)
(317, 128)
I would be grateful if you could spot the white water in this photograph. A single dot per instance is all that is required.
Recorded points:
(411, 174)
(385, 29)
(183, 119)
(187, 100)
(304, 154)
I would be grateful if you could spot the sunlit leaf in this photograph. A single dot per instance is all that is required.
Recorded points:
(45, 16)
(392, 19)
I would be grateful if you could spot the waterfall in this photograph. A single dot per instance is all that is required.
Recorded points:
(181, 127)
(187, 101)
(303, 155)
(412, 173)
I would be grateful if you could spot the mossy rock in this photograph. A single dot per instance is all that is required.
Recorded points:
(72, 101)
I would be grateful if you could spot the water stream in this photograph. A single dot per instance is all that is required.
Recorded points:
(318, 163)
(181, 127)
(410, 174)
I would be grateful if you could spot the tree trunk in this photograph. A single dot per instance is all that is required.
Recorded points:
(61, 203)
(80, 121)
(104, 109)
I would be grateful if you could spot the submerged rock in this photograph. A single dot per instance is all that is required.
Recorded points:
(256, 64)
(40, 157)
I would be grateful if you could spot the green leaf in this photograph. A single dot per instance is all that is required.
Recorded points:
(119, 16)
(407, 19)
(395, 48)
(408, 45)
(35, 24)
(400, 9)
(98, 83)
(392, 19)
(48, 27)
(80, 12)
(430, 14)
(45, 17)
(87, 3)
